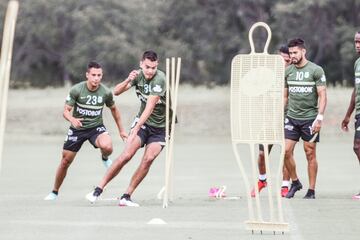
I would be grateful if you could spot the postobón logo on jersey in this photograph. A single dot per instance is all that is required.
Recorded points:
(90, 113)
(300, 89)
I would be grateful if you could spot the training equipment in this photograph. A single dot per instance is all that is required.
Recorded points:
(5, 65)
(356, 197)
(257, 116)
(172, 86)
(217, 192)
(51, 196)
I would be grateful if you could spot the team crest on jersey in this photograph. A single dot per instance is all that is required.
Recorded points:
(100, 99)
(157, 88)
(306, 75)
(323, 78)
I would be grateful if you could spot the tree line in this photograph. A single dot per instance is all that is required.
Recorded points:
(55, 39)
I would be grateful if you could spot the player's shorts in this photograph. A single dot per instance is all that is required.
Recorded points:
(76, 137)
(294, 129)
(357, 126)
(149, 134)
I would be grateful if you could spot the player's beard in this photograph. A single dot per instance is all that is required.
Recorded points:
(296, 61)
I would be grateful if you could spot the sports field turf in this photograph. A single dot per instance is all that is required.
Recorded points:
(203, 159)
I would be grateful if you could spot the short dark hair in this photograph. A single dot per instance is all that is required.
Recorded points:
(284, 49)
(93, 64)
(151, 55)
(296, 42)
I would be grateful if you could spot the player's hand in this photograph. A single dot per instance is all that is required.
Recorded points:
(124, 136)
(345, 124)
(133, 133)
(316, 126)
(76, 122)
(132, 75)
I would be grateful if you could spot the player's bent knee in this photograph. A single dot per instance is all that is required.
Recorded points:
(147, 161)
(65, 162)
(108, 149)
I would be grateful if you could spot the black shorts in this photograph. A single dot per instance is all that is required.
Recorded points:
(149, 134)
(357, 126)
(75, 137)
(294, 129)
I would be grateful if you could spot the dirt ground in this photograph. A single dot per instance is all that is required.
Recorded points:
(203, 158)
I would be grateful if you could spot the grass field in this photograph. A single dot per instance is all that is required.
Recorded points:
(203, 159)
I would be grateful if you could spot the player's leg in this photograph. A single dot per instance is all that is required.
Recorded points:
(291, 167)
(310, 152)
(152, 150)
(155, 142)
(262, 170)
(119, 163)
(129, 151)
(310, 141)
(286, 182)
(292, 136)
(66, 160)
(73, 142)
(356, 147)
(100, 138)
(103, 141)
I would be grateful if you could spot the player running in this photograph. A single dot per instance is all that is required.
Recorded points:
(148, 128)
(86, 100)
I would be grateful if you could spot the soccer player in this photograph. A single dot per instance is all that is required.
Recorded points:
(305, 94)
(86, 100)
(355, 104)
(284, 53)
(148, 128)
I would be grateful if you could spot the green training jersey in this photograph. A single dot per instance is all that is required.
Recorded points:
(357, 85)
(153, 87)
(89, 104)
(302, 92)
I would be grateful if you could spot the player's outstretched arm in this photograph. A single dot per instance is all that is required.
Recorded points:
(117, 117)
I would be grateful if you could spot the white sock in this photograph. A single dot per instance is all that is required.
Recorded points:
(285, 183)
(262, 177)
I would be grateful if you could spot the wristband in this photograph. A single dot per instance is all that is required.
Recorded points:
(319, 117)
